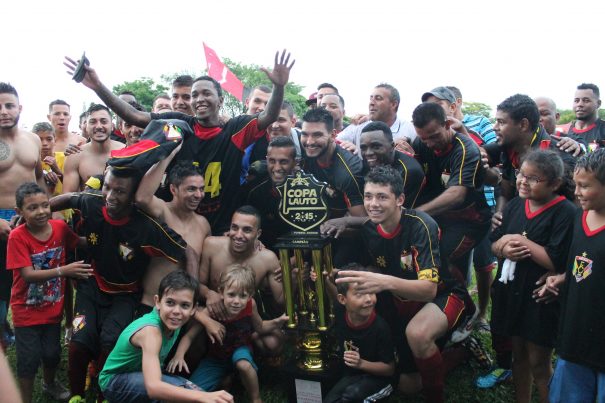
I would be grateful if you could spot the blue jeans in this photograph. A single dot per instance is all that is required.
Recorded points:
(130, 387)
(575, 383)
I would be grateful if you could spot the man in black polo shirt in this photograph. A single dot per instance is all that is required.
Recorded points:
(217, 148)
(330, 163)
(453, 194)
(377, 149)
(121, 243)
(588, 125)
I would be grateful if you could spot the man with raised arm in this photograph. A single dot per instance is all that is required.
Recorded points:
(217, 147)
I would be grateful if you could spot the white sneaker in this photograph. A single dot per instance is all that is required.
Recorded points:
(465, 329)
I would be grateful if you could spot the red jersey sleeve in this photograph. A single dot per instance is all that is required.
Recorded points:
(18, 255)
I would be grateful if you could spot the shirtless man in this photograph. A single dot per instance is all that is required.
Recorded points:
(187, 189)
(239, 247)
(59, 116)
(93, 158)
(19, 163)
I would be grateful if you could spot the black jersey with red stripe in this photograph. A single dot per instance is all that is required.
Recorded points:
(459, 165)
(120, 250)
(594, 134)
(582, 323)
(219, 152)
(343, 176)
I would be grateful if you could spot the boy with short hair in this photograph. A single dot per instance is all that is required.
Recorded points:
(364, 340)
(36, 256)
(133, 373)
(580, 372)
(232, 339)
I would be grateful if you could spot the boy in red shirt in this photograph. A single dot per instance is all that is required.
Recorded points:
(36, 255)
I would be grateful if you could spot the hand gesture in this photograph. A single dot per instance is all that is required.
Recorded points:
(456, 125)
(77, 270)
(50, 178)
(568, 145)
(215, 331)
(367, 282)
(333, 227)
(215, 306)
(549, 292)
(347, 145)
(360, 118)
(177, 363)
(352, 359)
(91, 79)
(72, 149)
(51, 161)
(403, 145)
(515, 251)
(281, 71)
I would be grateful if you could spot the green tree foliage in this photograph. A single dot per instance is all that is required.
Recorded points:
(476, 108)
(144, 90)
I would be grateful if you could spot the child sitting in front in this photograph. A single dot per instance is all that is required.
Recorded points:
(36, 256)
(231, 340)
(133, 370)
(364, 341)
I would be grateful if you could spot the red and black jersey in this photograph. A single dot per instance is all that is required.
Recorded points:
(120, 250)
(219, 152)
(594, 135)
(459, 165)
(582, 323)
(265, 198)
(550, 227)
(343, 176)
(412, 175)
(372, 339)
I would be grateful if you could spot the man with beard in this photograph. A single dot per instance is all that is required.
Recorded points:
(186, 185)
(239, 247)
(378, 149)
(588, 125)
(92, 159)
(281, 161)
(121, 242)
(19, 163)
(330, 163)
(216, 147)
(59, 117)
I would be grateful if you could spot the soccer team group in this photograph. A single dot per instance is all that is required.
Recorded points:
(164, 225)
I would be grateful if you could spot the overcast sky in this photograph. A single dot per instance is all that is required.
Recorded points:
(489, 49)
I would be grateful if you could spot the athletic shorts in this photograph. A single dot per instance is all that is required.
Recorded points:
(211, 371)
(6, 276)
(37, 343)
(451, 304)
(99, 318)
(456, 243)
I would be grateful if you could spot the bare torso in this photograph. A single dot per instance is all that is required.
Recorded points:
(19, 157)
(62, 140)
(89, 162)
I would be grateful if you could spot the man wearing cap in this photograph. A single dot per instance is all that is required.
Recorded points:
(383, 106)
(93, 158)
(217, 147)
(311, 102)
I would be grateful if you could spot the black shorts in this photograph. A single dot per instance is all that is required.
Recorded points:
(37, 343)
(450, 303)
(483, 257)
(6, 276)
(99, 318)
(457, 241)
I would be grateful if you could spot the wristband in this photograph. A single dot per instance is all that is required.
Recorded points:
(59, 271)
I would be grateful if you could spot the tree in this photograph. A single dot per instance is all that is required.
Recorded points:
(144, 89)
(477, 108)
(567, 115)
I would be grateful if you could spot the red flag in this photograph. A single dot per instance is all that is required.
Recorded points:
(221, 73)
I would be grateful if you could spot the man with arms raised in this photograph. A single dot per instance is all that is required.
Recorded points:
(92, 159)
(19, 163)
(239, 246)
(217, 148)
(59, 116)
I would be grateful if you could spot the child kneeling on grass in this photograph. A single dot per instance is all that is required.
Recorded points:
(133, 373)
(36, 256)
(232, 339)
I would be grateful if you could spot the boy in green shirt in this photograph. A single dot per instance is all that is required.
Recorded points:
(133, 370)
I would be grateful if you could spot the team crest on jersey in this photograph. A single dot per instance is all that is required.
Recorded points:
(445, 177)
(126, 253)
(349, 346)
(582, 267)
(408, 258)
(78, 323)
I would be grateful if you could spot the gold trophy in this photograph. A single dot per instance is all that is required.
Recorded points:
(304, 208)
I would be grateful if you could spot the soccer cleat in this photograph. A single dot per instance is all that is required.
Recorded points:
(465, 329)
(494, 377)
(56, 391)
(478, 352)
(482, 326)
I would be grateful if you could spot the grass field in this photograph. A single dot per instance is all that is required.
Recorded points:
(459, 385)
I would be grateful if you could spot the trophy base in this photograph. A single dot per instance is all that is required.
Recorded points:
(308, 385)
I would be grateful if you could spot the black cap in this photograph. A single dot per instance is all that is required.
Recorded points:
(441, 93)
